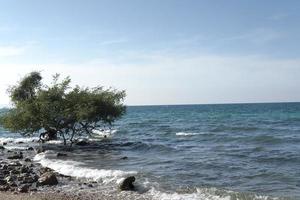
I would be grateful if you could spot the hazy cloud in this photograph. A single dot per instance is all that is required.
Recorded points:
(6, 51)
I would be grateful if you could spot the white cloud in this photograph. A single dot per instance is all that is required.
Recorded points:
(173, 79)
(6, 51)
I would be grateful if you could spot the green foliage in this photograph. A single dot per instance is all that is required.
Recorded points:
(60, 110)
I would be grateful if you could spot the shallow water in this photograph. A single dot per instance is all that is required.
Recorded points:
(238, 151)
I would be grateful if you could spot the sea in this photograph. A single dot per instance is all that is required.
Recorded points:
(205, 152)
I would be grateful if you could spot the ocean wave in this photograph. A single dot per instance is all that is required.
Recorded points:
(18, 140)
(104, 133)
(186, 134)
(208, 194)
(75, 169)
(223, 128)
(55, 142)
(146, 146)
(199, 194)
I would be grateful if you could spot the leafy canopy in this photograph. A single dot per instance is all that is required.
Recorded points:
(58, 110)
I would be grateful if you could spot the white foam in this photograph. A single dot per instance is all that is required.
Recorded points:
(186, 134)
(55, 142)
(200, 194)
(18, 140)
(104, 133)
(72, 168)
(15, 148)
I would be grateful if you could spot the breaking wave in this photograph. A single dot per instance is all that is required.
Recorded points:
(75, 169)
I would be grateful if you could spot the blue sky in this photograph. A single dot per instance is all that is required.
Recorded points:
(161, 52)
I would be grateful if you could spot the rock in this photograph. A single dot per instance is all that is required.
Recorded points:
(24, 169)
(12, 184)
(4, 143)
(82, 143)
(23, 188)
(5, 172)
(48, 178)
(16, 155)
(3, 182)
(2, 148)
(4, 188)
(39, 150)
(124, 158)
(4, 167)
(61, 155)
(29, 179)
(14, 164)
(10, 179)
(14, 171)
(20, 142)
(45, 169)
(127, 184)
(30, 149)
(27, 160)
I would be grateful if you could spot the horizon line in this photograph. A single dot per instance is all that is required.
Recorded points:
(191, 104)
(233, 103)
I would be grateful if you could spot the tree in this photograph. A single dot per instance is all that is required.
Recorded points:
(59, 110)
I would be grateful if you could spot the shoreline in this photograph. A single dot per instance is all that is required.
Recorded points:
(82, 188)
(37, 196)
(18, 170)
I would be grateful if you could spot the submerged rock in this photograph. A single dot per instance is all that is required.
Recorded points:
(48, 178)
(82, 143)
(61, 155)
(127, 184)
(39, 150)
(30, 149)
(16, 155)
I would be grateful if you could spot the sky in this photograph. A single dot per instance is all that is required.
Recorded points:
(159, 51)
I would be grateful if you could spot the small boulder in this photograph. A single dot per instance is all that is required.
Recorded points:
(39, 150)
(27, 160)
(29, 179)
(3, 182)
(1, 147)
(14, 164)
(16, 155)
(30, 149)
(127, 183)
(45, 169)
(4, 188)
(48, 178)
(23, 188)
(124, 158)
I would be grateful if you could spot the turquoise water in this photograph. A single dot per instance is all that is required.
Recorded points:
(251, 149)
